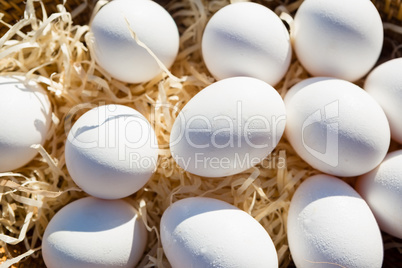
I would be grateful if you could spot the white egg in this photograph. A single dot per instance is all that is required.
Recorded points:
(228, 127)
(95, 233)
(202, 232)
(337, 38)
(330, 225)
(111, 151)
(382, 190)
(119, 54)
(336, 127)
(246, 39)
(384, 83)
(25, 118)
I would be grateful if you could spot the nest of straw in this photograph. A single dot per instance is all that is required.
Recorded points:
(49, 41)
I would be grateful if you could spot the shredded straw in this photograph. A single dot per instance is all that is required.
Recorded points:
(57, 54)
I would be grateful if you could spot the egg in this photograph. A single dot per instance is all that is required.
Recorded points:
(111, 151)
(382, 190)
(117, 52)
(25, 118)
(336, 127)
(246, 39)
(202, 232)
(228, 127)
(92, 232)
(330, 225)
(337, 38)
(384, 83)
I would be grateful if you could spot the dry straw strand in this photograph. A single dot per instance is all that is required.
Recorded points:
(55, 50)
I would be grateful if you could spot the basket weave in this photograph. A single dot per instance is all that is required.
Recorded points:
(390, 10)
(13, 10)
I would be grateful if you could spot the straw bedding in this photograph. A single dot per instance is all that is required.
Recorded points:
(51, 43)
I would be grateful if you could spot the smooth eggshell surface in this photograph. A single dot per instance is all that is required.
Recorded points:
(117, 51)
(384, 83)
(336, 127)
(25, 118)
(201, 232)
(382, 190)
(330, 225)
(246, 39)
(228, 127)
(94, 233)
(337, 38)
(111, 151)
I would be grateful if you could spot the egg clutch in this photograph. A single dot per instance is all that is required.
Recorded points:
(339, 129)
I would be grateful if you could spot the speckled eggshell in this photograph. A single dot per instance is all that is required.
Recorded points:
(202, 232)
(25, 118)
(117, 51)
(330, 225)
(94, 233)
(228, 127)
(382, 190)
(111, 151)
(384, 83)
(246, 39)
(336, 127)
(337, 38)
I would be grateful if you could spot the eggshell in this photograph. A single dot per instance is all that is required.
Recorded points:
(337, 38)
(228, 127)
(336, 127)
(25, 118)
(246, 39)
(330, 225)
(111, 151)
(92, 232)
(384, 83)
(382, 190)
(117, 51)
(202, 232)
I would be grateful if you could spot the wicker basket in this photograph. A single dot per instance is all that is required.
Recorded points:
(390, 10)
(13, 10)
